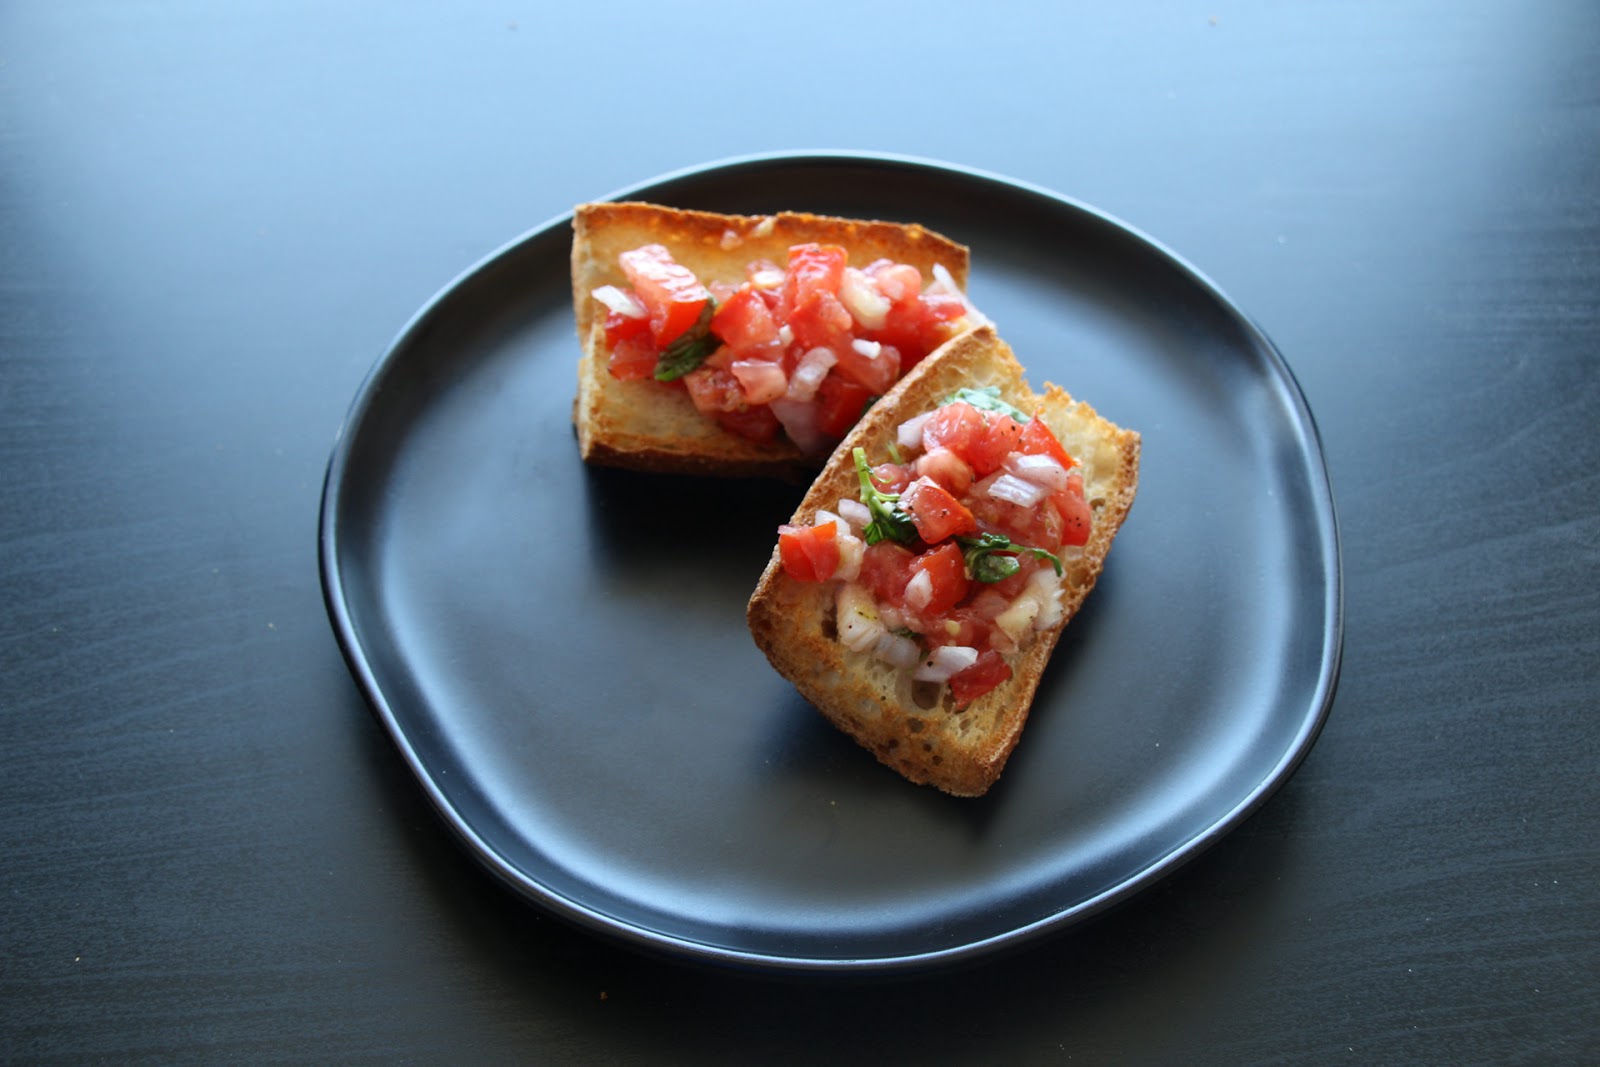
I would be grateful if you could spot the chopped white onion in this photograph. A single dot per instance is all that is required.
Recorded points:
(1040, 470)
(857, 617)
(852, 551)
(799, 421)
(909, 435)
(761, 379)
(786, 335)
(897, 651)
(809, 372)
(764, 227)
(943, 662)
(945, 467)
(867, 349)
(891, 617)
(862, 298)
(853, 511)
(621, 301)
(1018, 618)
(919, 590)
(943, 280)
(1014, 490)
(1044, 585)
(823, 515)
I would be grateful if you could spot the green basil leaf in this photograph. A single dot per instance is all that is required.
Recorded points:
(889, 520)
(993, 557)
(690, 350)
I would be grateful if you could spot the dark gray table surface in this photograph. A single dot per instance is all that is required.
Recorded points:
(214, 218)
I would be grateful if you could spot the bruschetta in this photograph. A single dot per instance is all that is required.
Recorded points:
(918, 591)
(748, 345)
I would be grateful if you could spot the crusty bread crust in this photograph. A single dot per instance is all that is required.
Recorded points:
(793, 622)
(647, 425)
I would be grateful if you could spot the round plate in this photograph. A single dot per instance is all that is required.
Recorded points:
(561, 655)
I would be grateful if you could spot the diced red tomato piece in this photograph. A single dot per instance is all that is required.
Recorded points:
(989, 671)
(947, 573)
(891, 477)
(821, 322)
(876, 372)
(1038, 440)
(620, 327)
(744, 322)
(946, 468)
(714, 390)
(1000, 438)
(633, 358)
(669, 291)
(1077, 518)
(756, 423)
(809, 553)
(813, 269)
(957, 426)
(936, 513)
(1036, 527)
(761, 379)
(900, 282)
(885, 570)
(840, 404)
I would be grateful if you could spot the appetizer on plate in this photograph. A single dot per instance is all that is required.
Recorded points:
(748, 345)
(917, 593)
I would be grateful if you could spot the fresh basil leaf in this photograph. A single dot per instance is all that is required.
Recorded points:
(889, 520)
(689, 350)
(987, 399)
(993, 557)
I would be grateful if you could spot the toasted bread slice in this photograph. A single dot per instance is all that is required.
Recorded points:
(793, 622)
(649, 425)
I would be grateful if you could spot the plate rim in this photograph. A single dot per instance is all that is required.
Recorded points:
(661, 942)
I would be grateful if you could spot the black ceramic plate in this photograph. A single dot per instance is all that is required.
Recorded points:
(561, 654)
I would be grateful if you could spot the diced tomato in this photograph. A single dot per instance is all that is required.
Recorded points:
(761, 379)
(1038, 440)
(669, 291)
(809, 553)
(813, 269)
(1036, 527)
(989, 671)
(756, 423)
(900, 282)
(891, 477)
(619, 327)
(1000, 438)
(964, 625)
(956, 426)
(840, 404)
(1077, 518)
(876, 372)
(821, 322)
(936, 513)
(946, 468)
(633, 358)
(947, 571)
(744, 322)
(918, 326)
(714, 390)
(885, 570)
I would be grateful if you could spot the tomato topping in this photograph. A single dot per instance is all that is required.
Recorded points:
(756, 423)
(714, 390)
(620, 327)
(947, 574)
(1000, 438)
(813, 269)
(891, 477)
(1077, 518)
(956, 426)
(876, 371)
(1037, 440)
(885, 570)
(840, 404)
(822, 322)
(809, 553)
(989, 671)
(669, 291)
(1036, 527)
(946, 468)
(633, 358)
(744, 321)
(935, 512)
